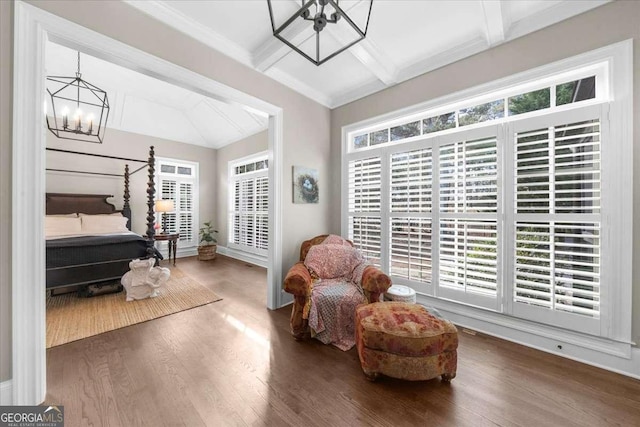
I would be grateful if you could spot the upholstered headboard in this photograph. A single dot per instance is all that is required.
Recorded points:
(63, 203)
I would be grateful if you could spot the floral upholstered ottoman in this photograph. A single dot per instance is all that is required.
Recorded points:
(403, 340)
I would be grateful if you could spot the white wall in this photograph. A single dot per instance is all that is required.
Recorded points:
(251, 145)
(600, 27)
(131, 145)
(305, 124)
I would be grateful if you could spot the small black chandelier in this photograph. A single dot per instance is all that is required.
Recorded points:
(79, 109)
(341, 30)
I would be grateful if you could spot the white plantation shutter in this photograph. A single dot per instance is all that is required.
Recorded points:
(187, 232)
(364, 197)
(410, 240)
(468, 260)
(468, 221)
(365, 233)
(468, 176)
(410, 249)
(262, 213)
(557, 224)
(178, 182)
(411, 181)
(364, 185)
(249, 217)
(525, 210)
(168, 191)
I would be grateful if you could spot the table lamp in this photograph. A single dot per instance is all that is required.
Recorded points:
(164, 206)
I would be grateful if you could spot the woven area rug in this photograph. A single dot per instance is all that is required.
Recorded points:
(70, 318)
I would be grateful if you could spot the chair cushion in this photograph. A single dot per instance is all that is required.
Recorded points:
(404, 329)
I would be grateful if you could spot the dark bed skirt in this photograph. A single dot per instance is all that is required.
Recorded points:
(85, 260)
(87, 273)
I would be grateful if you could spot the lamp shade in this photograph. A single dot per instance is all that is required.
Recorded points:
(164, 206)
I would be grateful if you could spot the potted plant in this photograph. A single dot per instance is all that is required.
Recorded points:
(208, 243)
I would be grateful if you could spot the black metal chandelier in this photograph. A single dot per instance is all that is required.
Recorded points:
(79, 109)
(340, 31)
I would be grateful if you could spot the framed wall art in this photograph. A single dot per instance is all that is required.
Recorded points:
(305, 185)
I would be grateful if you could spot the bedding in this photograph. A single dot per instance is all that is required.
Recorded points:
(61, 225)
(103, 224)
(92, 258)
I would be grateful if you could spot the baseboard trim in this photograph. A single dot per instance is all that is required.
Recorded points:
(183, 253)
(621, 358)
(6, 393)
(243, 256)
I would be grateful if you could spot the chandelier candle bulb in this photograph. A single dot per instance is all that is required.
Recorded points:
(65, 118)
(90, 121)
(78, 119)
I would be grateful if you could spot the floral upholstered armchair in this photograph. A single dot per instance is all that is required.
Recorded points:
(328, 282)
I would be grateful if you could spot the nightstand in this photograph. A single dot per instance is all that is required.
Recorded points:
(172, 243)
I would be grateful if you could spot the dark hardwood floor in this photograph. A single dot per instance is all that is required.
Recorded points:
(233, 362)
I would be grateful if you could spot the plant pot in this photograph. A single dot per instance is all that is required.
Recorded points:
(207, 252)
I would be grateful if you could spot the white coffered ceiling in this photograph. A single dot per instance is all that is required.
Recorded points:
(405, 38)
(148, 106)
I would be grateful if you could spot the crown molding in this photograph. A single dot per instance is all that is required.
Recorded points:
(552, 15)
(456, 53)
(423, 65)
(361, 91)
(168, 15)
(300, 87)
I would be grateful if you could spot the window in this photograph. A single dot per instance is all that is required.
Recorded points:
(178, 181)
(496, 201)
(514, 102)
(249, 204)
(557, 218)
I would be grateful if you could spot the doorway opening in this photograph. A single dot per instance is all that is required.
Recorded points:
(33, 27)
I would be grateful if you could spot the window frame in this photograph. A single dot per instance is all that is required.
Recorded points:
(232, 178)
(193, 178)
(615, 62)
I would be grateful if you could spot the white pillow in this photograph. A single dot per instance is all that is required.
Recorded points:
(92, 224)
(55, 226)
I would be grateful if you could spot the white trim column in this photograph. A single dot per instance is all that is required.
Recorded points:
(27, 218)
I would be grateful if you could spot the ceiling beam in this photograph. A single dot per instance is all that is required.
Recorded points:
(379, 64)
(495, 23)
(273, 50)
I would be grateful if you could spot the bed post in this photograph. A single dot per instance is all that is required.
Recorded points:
(126, 208)
(151, 191)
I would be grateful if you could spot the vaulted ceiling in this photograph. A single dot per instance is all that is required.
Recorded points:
(405, 38)
(148, 106)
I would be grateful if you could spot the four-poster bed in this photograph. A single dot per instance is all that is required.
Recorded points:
(96, 257)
